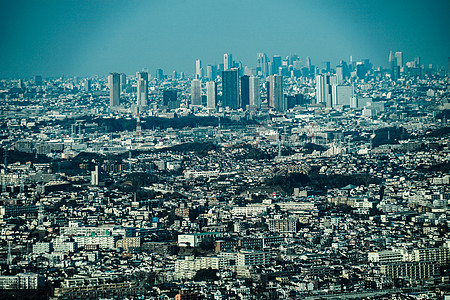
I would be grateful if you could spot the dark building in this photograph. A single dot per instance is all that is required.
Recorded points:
(361, 71)
(327, 66)
(37, 80)
(245, 91)
(170, 99)
(159, 74)
(230, 88)
(293, 100)
(276, 64)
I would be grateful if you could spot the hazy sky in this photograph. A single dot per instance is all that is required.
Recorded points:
(81, 37)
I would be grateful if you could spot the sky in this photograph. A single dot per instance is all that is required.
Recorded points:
(96, 37)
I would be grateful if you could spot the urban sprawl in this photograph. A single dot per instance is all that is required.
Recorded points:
(281, 181)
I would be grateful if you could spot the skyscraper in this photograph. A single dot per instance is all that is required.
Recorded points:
(114, 89)
(262, 64)
(159, 74)
(170, 99)
(361, 70)
(276, 98)
(211, 94)
(37, 80)
(340, 74)
(341, 94)
(254, 92)
(196, 92)
(245, 92)
(308, 63)
(142, 89)
(395, 69)
(323, 90)
(276, 64)
(198, 69)
(230, 88)
(123, 82)
(211, 72)
(227, 62)
(399, 58)
(87, 85)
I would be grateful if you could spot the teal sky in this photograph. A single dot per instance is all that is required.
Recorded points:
(96, 37)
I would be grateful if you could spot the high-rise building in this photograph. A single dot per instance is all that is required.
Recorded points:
(196, 92)
(276, 98)
(37, 80)
(399, 58)
(341, 94)
(211, 72)
(340, 74)
(159, 74)
(276, 64)
(198, 69)
(323, 90)
(230, 88)
(211, 94)
(170, 99)
(169, 96)
(87, 85)
(361, 70)
(262, 64)
(250, 71)
(142, 89)
(21, 84)
(254, 92)
(227, 62)
(123, 82)
(308, 63)
(245, 92)
(292, 58)
(327, 66)
(114, 89)
(395, 69)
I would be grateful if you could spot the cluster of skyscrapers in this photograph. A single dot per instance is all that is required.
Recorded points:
(117, 82)
(237, 91)
(229, 85)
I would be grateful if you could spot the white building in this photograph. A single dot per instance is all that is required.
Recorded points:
(342, 95)
(211, 94)
(194, 239)
(41, 247)
(276, 97)
(249, 210)
(187, 268)
(254, 92)
(142, 89)
(104, 242)
(23, 281)
(252, 258)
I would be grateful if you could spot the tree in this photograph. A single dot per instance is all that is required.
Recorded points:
(206, 275)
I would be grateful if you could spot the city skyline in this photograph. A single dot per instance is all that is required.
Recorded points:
(81, 38)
